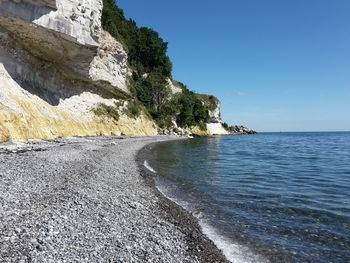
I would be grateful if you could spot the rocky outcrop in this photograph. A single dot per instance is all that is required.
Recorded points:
(56, 66)
(68, 34)
(214, 122)
(216, 129)
(110, 64)
(26, 116)
(174, 87)
(240, 129)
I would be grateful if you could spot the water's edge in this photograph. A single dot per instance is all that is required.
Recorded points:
(240, 249)
(231, 250)
(198, 242)
(268, 198)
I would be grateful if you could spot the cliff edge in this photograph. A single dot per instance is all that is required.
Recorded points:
(56, 66)
(62, 74)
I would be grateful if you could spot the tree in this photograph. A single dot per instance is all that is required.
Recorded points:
(153, 92)
(147, 55)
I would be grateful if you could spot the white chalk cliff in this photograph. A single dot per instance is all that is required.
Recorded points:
(214, 122)
(56, 65)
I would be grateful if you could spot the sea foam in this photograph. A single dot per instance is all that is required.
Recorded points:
(234, 253)
(146, 164)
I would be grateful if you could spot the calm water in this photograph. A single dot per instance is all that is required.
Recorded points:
(273, 197)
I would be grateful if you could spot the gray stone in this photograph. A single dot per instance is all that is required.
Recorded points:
(81, 207)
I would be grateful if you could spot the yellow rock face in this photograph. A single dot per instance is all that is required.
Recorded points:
(25, 116)
(48, 87)
(34, 125)
(37, 126)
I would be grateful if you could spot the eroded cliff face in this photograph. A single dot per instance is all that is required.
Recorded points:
(68, 36)
(56, 66)
(214, 121)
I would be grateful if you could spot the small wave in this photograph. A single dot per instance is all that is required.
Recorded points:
(146, 164)
(233, 252)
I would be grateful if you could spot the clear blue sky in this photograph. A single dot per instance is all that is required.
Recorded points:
(276, 65)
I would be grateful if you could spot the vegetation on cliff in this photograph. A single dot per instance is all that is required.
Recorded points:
(210, 102)
(107, 111)
(184, 108)
(147, 56)
(146, 50)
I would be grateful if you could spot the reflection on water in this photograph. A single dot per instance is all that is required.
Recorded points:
(280, 196)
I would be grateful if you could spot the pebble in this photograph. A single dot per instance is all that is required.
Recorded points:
(84, 201)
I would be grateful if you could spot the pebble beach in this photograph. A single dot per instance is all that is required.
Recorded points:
(89, 199)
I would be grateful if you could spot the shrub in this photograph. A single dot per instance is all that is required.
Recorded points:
(153, 92)
(133, 109)
(192, 110)
(202, 126)
(107, 111)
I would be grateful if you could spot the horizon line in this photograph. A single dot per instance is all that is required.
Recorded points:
(301, 131)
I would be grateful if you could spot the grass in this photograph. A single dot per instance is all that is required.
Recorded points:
(133, 109)
(104, 110)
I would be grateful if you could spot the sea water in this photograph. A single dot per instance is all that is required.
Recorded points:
(271, 197)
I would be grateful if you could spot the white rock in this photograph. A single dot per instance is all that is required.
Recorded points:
(68, 35)
(80, 20)
(173, 87)
(216, 129)
(110, 64)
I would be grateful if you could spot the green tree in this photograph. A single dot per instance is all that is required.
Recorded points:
(192, 110)
(153, 92)
(148, 57)
(147, 50)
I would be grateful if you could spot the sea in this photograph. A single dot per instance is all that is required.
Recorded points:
(270, 197)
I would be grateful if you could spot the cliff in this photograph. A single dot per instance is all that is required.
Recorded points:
(61, 74)
(56, 66)
(214, 121)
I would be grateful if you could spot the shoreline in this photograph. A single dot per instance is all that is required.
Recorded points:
(199, 244)
(89, 199)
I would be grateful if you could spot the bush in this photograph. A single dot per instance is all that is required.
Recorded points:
(202, 126)
(133, 109)
(192, 110)
(107, 111)
(153, 92)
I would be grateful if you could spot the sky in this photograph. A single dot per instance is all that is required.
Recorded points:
(276, 65)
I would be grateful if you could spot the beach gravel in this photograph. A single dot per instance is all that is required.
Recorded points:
(84, 200)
